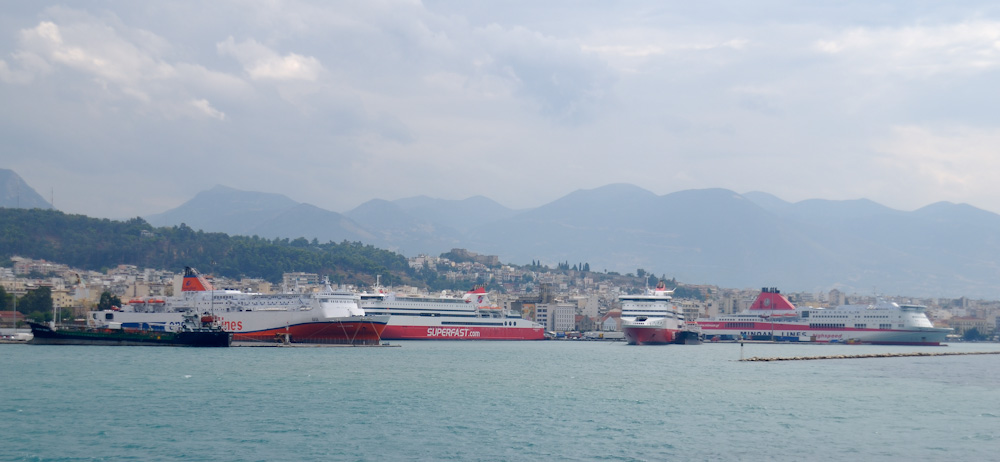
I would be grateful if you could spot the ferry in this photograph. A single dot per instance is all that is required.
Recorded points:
(773, 317)
(652, 319)
(330, 316)
(471, 317)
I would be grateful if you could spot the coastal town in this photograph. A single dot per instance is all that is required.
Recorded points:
(569, 302)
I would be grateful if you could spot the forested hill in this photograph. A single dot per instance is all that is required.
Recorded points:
(99, 244)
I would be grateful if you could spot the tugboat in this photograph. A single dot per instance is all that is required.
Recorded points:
(203, 331)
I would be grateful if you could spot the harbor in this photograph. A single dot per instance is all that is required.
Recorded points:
(549, 400)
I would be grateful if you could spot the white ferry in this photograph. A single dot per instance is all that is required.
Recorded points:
(331, 316)
(652, 319)
(773, 317)
(471, 317)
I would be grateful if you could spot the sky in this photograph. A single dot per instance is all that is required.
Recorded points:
(119, 109)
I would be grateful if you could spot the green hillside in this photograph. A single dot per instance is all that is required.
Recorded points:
(99, 244)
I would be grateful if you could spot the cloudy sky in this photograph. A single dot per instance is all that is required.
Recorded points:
(122, 108)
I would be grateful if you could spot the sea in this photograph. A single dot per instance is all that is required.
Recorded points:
(498, 401)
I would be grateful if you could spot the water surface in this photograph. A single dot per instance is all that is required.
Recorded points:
(483, 400)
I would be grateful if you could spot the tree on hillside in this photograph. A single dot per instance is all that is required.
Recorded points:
(98, 244)
(37, 304)
(108, 300)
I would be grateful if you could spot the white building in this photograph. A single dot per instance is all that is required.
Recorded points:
(588, 305)
(556, 317)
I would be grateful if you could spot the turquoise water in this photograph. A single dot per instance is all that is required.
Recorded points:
(452, 400)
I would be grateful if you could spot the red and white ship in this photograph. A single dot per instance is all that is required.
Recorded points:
(330, 316)
(471, 317)
(652, 319)
(773, 317)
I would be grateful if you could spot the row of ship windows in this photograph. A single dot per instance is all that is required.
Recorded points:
(450, 315)
(813, 325)
(845, 316)
(496, 324)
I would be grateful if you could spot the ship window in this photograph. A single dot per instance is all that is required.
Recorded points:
(109, 316)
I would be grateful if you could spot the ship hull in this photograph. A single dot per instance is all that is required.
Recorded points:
(267, 326)
(336, 332)
(793, 332)
(459, 331)
(43, 335)
(643, 335)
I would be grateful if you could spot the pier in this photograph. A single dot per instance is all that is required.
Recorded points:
(874, 355)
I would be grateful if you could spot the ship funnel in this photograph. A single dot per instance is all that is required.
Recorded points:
(770, 299)
(194, 282)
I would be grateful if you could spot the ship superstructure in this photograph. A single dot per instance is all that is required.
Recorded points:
(471, 317)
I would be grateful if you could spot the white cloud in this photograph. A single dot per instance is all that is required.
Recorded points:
(564, 82)
(206, 108)
(740, 96)
(117, 60)
(921, 50)
(96, 50)
(262, 63)
(627, 51)
(668, 46)
(954, 163)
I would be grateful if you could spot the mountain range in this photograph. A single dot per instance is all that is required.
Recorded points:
(707, 236)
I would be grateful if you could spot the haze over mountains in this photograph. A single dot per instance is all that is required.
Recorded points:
(712, 236)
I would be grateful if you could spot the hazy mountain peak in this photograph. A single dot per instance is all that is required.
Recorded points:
(225, 209)
(957, 213)
(461, 215)
(15, 193)
(604, 195)
(767, 201)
